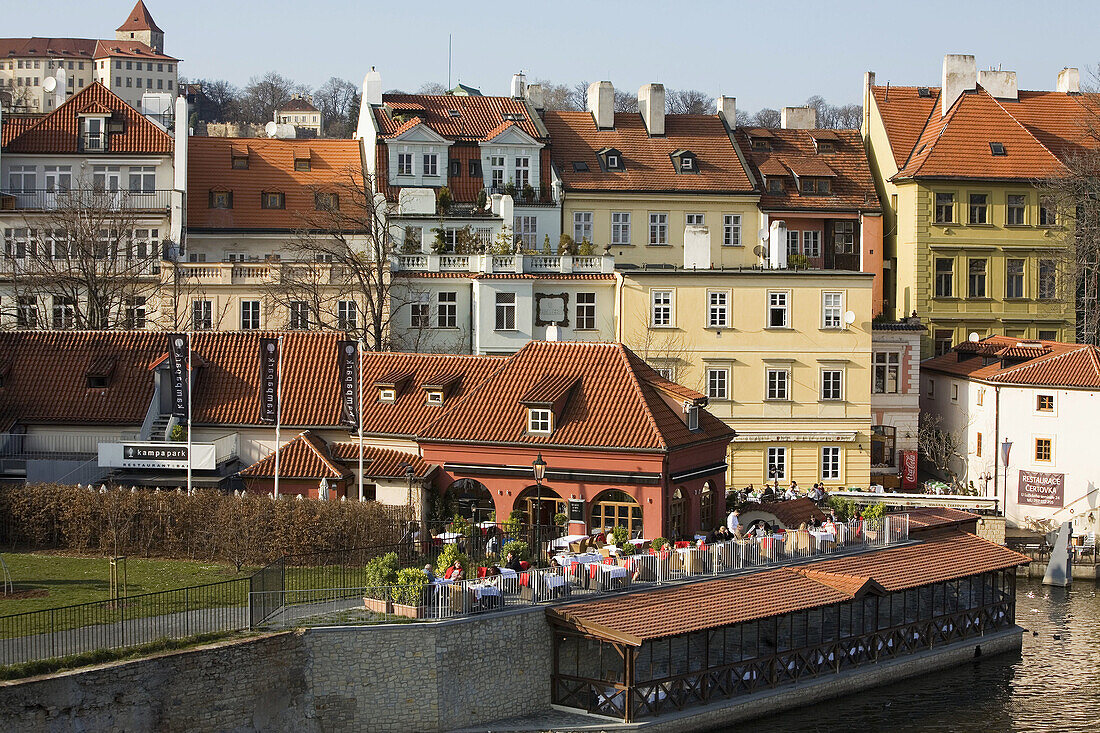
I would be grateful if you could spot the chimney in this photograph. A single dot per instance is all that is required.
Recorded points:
(651, 106)
(519, 85)
(1069, 80)
(601, 103)
(372, 88)
(727, 110)
(799, 118)
(960, 74)
(868, 84)
(536, 97)
(999, 84)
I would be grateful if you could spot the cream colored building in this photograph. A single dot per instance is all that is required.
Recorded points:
(301, 113)
(784, 357)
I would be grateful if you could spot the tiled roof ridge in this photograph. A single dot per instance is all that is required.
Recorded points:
(636, 383)
(944, 122)
(1047, 359)
(920, 135)
(1025, 128)
(473, 390)
(310, 440)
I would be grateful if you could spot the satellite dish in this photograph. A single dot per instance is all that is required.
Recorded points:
(760, 250)
(49, 84)
(849, 317)
(286, 132)
(763, 234)
(271, 128)
(974, 338)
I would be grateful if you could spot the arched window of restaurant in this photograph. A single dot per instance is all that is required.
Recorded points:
(677, 515)
(467, 497)
(615, 507)
(706, 507)
(552, 504)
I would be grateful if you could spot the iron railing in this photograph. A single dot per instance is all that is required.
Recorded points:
(85, 198)
(537, 196)
(55, 445)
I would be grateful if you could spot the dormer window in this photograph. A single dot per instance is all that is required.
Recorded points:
(611, 160)
(539, 420)
(94, 133)
(775, 184)
(303, 164)
(760, 144)
(815, 186)
(221, 199)
(997, 148)
(387, 395)
(240, 161)
(687, 164)
(824, 141)
(579, 166)
(825, 146)
(272, 200)
(433, 397)
(692, 412)
(97, 382)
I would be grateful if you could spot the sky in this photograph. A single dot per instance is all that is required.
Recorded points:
(763, 53)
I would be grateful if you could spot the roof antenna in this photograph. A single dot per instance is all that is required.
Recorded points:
(886, 97)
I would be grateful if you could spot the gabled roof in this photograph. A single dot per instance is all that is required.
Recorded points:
(140, 19)
(1038, 131)
(297, 104)
(477, 118)
(305, 457)
(129, 49)
(382, 462)
(616, 402)
(334, 166)
(648, 162)
(792, 513)
(1004, 360)
(638, 617)
(793, 152)
(59, 131)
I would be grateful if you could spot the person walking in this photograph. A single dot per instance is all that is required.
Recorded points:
(733, 521)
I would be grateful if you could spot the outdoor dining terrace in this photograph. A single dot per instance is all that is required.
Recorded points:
(574, 572)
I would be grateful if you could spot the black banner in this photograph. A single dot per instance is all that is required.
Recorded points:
(177, 366)
(348, 366)
(269, 379)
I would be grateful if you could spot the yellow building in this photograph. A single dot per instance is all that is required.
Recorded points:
(969, 245)
(784, 357)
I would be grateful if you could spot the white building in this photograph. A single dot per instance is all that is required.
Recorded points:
(1043, 398)
(301, 113)
(895, 400)
(132, 65)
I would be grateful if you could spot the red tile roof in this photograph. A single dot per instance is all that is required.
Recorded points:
(478, 117)
(298, 104)
(66, 48)
(935, 518)
(1038, 131)
(334, 166)
(59, 131)
(618, 401)
(139, 19)
(14, 126)
(792, 513)
(1051, 363)
(648, 161)
(129, 50)
(382, 462)
(668, 611)
(306, 456)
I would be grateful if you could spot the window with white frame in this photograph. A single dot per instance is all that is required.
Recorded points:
(731, 230)
(886, 365)
(404, 164)
(496, 171)
(778, 384)
(830, 462)
(582, 226)
(620, 227)
(446, 309)
(718, 383)
(22, 178)
(58, 177)
(539, 420)
(658, 229)
(832, 384)
(667, 372)
(832, 309)
(718, 315)
(778, 309)
(64, 311)
(431, 164)
(695, 219)
(419, 311)
(250, 315)
(527, 235)
(586, 311)
(26, 314)
(347, 315)
(777, 462)
(299, 315)
(145, 243)
(792, 242)
(811, 244)
(523, 172)
(202, 315)
(506, 311)
(143, 178)
(661, 308)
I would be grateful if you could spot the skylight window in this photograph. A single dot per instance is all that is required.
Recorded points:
(513, 116)
(579, 166)
(454, 113)
(924, 92)
(997, 148)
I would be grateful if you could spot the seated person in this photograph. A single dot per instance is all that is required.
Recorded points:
(428, 572)
(455, 572)
(512, 563)
(491, 570)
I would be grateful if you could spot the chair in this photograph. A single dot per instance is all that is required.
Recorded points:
(1088, 544)
(579, 546)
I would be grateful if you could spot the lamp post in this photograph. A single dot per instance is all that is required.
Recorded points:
(1006, 448)
(410, 474)
(538, 466)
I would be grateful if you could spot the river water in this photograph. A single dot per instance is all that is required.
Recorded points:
(1053, 686)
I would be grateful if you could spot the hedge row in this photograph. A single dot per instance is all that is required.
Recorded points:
(207, 525)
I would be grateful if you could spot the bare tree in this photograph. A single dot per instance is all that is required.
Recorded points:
(688, 102)
(941, 447)
(265, 94)
(559, 96)
(338, 100)
(766, 117)
(216, 100)
(89, 255)
(625, 101)
(836, 117)
(432, 87)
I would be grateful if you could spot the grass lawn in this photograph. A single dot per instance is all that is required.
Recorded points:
(69, 580)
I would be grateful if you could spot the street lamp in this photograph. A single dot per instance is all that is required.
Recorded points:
(538, 466)
(410, 474)
(1006, 448)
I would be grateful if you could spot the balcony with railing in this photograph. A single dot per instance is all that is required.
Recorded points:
(83, 199)
(257, 273)
(519, 264)
(531, 196)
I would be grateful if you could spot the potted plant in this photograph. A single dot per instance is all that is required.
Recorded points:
(561, 519)
(444, 199)
(510, 188)
(658, 543)
(566, 245)
(620, 535)
(380, 574)
(447, 558)
(586, 249)
(528, 193)
(520, 549)
(409, 595)
(482, 198)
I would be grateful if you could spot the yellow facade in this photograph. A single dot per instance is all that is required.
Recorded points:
(798, 426)
(676, 208)
(915, 240)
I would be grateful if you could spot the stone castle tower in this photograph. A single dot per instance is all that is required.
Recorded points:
(140, 26)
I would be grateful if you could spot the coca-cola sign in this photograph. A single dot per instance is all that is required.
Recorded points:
(1041, 489)
(909, 469)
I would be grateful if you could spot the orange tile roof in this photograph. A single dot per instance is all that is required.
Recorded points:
(129, 50)
(78, 49)
(139, 19)
(665, 612)
(792, 513)
(1053, 364)
(306, 457)
(851, 185)
(615, 403)
(382, 462)
(298, 104)
(14, 126)
(1038, 131)
(59, 131)
(334, 166)
(478, 117)
(648, 161)
(928, 518)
